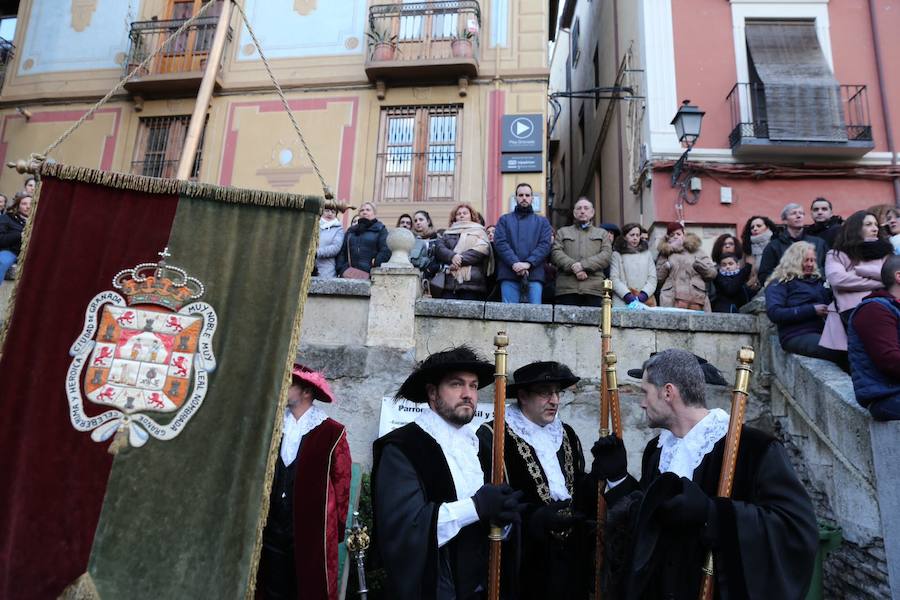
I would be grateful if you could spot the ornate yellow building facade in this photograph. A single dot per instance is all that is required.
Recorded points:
(401, 103)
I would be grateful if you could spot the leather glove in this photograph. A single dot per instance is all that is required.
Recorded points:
(550, 518)
(498, 503)
(643, 297)
(610, 461)
(691, 508)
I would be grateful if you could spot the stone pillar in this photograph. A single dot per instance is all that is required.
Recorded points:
(392, 303)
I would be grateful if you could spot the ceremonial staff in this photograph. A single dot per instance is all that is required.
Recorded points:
(501, 341)
(732, 443)
(609, 407)
(357, 544)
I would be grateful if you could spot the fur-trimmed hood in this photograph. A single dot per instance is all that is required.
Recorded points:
(692, 243)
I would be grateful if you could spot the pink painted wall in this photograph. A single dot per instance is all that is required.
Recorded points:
(706, 72)
(767, 197)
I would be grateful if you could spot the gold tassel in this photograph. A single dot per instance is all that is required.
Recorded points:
(275, 445)
(82, 588)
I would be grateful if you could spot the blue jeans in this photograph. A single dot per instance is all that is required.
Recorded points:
(511, 291)
(7, 259)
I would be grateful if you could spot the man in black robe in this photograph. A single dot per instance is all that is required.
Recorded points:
(543, 458)
(763, 537)
(432, 508)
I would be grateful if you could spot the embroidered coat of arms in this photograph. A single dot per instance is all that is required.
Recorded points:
(146, 353)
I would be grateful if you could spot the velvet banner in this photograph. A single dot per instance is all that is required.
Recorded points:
(180, 518)
(52, 478)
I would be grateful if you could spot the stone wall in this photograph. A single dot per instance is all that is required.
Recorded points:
(834, 445)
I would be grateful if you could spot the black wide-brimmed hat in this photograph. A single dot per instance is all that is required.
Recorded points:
(437, 365)
(541, 372)
(711, 374)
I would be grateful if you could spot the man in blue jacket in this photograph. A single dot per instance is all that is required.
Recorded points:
(522, 242)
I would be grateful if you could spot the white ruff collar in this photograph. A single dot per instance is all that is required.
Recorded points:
(546, 442)
(295, 429)
(460, 447)
(682, 455)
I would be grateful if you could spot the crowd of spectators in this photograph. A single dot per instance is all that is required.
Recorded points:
(14, 214)
(813, 275)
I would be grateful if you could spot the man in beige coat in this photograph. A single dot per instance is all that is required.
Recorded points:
(581, 252)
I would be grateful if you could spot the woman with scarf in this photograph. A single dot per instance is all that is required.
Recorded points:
(853, 270)
(757, 233)
(331, 238)
(631, 270)
(464, 252)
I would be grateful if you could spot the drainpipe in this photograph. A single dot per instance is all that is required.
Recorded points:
(885, 108)
(198, 118)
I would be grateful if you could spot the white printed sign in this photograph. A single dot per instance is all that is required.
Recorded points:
(396, 413)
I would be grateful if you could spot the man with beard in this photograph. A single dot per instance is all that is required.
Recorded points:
(522, 243)
(825, 223)
(432, 507)
(543, 458)
(763, 537)
(309, 498)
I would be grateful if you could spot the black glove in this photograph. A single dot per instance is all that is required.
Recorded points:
(610, 461)
(551, 518)
(498, 503)
(690, 509)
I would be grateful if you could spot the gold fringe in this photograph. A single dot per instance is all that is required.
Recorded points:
(23, 254)
(207, 191)
(82, 588)
(275, 445)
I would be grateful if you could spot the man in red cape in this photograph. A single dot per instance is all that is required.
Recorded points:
(309, 499)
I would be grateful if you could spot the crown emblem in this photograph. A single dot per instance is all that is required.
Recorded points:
(158, 283)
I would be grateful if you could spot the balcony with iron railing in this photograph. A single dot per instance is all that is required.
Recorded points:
(424, 41)
(7, 53)
(799, 120)
(178, 68)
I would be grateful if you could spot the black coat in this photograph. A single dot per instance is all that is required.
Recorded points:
(731, 291)
(548, 567)
(777, 246)
(764, 538)
(827, 231)
(367, 243)
(11, 227)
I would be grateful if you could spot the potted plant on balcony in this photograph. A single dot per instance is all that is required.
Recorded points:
(461, 44)
(383, 42)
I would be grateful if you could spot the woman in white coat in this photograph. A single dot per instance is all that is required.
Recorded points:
(632, 270)
(331, 238)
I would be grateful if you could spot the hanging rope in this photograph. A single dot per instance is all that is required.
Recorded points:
(327, 190)
(123, 81)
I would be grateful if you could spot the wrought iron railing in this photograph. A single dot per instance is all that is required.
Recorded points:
(7, 52)
(185, 54)
(424, 31)
(159, 144)
(750, 114)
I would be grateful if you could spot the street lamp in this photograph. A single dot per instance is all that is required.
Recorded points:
(687, 123)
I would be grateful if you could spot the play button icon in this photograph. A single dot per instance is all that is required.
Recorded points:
(521, 128)
(522, 133)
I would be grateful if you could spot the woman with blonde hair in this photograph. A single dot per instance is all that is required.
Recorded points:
(364, 247)
(797, 302)
(464, 251)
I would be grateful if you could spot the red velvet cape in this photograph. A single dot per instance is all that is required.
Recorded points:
(321, 499)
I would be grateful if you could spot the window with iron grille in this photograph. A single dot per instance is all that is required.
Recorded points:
(419, 154)
(159, 145)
